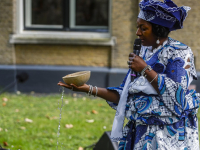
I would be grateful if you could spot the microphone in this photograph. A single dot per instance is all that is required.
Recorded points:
(136, 50)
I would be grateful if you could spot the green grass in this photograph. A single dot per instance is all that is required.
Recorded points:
(43, 110)
(41, 134)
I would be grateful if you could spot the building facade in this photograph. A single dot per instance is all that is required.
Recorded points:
(48, 39)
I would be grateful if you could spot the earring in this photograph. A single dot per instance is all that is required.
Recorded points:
(158, 41)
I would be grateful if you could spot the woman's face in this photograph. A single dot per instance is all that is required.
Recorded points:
(144, 32)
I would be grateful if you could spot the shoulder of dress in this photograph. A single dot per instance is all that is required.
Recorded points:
(176, 45)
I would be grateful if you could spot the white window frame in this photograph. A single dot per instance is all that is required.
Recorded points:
(22, 36)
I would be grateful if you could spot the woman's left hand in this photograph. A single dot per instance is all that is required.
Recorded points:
(136, 63)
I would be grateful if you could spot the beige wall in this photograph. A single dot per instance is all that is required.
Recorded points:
(6, 27)
(63, 55)
(124, 15)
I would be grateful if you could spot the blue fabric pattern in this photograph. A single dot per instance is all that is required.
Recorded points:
(167, 120)
(175, 69)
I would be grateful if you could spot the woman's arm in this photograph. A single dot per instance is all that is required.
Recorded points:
(109, 95)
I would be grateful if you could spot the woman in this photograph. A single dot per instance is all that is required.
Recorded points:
(160, 109)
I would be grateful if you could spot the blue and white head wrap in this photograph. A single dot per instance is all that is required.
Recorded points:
(166, 14)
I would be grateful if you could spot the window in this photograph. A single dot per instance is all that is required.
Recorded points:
(80, 22)
(67, 15)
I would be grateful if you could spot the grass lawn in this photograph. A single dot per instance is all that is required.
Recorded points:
(30, 121)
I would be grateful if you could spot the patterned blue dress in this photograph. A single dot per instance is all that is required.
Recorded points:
(164, 121)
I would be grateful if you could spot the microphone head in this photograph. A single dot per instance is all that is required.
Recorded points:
(137, 44)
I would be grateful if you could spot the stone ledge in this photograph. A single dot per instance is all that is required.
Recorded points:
(100, 39)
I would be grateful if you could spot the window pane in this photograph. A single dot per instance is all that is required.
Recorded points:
(91, 13)
(47, 12)
(44, 13)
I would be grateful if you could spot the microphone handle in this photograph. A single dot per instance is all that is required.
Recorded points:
(133, 75)
(137, 52)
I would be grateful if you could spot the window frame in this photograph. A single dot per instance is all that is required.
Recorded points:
(77, 37)
(68, 20)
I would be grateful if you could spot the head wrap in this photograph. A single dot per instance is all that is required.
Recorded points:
(166, 14)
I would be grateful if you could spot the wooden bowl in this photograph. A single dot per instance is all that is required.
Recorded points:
(77, 78)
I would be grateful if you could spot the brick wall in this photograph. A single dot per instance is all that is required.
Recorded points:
(62, 55)
(6, 28)
(124, 15)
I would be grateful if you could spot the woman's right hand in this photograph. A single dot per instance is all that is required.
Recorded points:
(73, 87)
(136, 63)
